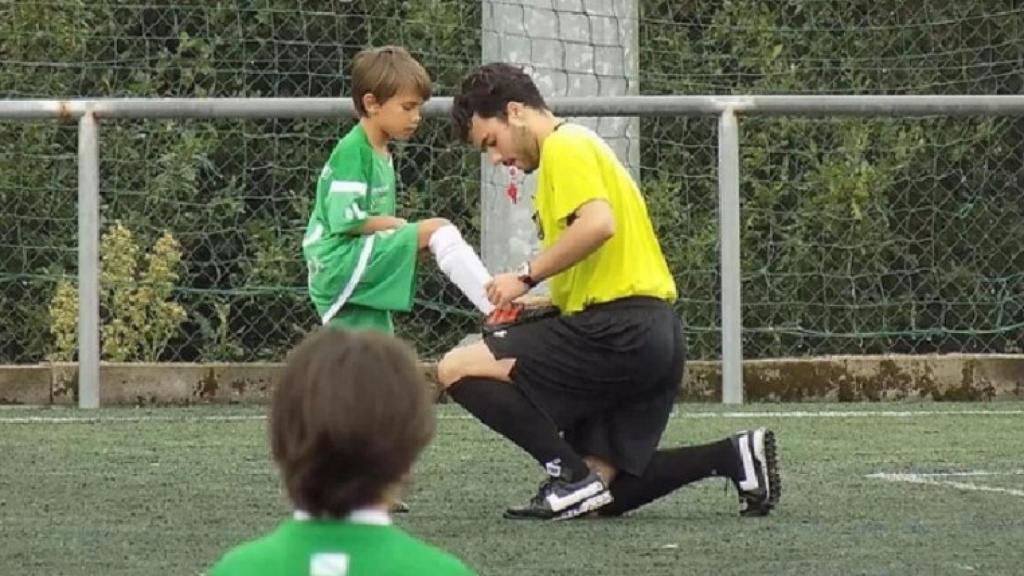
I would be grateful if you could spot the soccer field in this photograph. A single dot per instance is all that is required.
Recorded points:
(868, 489)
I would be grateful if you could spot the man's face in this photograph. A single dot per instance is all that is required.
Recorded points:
(399, 115)
(506, 141)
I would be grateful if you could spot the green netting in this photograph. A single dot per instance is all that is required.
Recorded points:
(859, 235)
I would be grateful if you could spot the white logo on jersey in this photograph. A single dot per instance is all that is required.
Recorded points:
(315, 266)
(354, 212)
(314, 235)
(332, 564)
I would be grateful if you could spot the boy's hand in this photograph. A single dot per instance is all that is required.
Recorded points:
(379, 223)
(504, 288)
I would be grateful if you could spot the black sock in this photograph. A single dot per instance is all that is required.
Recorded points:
(505, 409)
(669, 470)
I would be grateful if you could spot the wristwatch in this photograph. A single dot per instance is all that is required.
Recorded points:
(525, 276)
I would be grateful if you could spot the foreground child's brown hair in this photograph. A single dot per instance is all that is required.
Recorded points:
(350, 414)
(385, 71)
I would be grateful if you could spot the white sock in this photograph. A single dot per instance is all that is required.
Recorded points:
(461, 265)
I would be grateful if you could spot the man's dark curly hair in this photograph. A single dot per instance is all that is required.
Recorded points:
(487, 91)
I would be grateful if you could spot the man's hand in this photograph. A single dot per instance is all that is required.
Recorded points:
(504, 288)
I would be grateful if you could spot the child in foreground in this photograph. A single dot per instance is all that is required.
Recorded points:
(349, 416)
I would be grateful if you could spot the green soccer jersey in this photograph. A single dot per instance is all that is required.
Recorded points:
(366, 544)
(355, 280)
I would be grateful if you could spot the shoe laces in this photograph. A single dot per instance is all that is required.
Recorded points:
(542, 490)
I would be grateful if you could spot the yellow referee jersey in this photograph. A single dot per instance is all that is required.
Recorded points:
(577, 166)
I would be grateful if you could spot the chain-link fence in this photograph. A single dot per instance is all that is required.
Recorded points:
(234, 194)
(859, 235)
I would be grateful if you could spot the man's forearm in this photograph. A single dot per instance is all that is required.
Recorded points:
(580, 240)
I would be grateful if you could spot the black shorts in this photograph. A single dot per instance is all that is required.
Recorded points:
(607, 376)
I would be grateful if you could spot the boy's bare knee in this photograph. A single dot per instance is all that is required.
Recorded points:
(473, 360)
(428, 227)
(431, 225)
(449, 369)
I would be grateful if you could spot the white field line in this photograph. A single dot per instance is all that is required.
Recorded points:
(900, 476)
(120, 419)
(675, 415)
(938, 479)
(847, 414)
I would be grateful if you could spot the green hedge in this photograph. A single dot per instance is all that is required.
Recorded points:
(859, 235)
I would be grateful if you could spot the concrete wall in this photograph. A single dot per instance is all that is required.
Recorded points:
(836, 378)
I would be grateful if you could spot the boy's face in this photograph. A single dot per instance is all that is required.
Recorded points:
(506, 141)
(398, 116)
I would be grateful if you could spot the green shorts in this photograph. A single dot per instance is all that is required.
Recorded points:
(386, 284)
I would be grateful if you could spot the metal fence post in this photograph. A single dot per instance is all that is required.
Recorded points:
(88, 262)
(729, 240)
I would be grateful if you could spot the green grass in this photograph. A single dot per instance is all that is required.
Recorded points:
(167, 491)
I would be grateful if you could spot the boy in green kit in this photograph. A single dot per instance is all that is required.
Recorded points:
(349, 415)
(360, 257)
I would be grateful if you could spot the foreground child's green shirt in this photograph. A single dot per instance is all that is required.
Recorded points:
(365, 544)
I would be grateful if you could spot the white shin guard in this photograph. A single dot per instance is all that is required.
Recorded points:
(461, 265)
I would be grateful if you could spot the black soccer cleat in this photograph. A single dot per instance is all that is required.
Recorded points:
(559, 499)
(584, 508)
(760, 484)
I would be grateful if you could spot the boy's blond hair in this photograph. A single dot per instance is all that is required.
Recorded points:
(384, 72)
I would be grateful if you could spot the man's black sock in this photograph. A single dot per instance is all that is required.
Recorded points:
(504, 408)
(669, 470)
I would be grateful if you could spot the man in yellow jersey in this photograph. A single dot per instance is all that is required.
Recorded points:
(588, 392)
